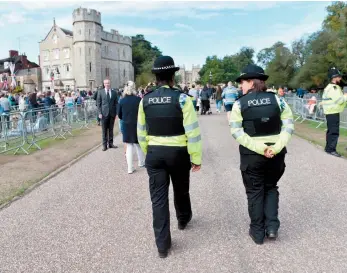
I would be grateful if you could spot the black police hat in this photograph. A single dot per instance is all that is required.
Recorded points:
(164, 64)
(333, 73)
(252, 71)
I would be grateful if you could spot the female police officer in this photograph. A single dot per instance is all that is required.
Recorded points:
(263, 124)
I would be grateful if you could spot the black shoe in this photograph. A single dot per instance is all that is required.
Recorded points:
(183, 225)
(257, 241)
(104, 148)
(334, 154)
(164, 253)
(272, 234)
(111, 146)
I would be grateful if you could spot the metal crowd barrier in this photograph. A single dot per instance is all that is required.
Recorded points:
(22, 131)
(304, 111)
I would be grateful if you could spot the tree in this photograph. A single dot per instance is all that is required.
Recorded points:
(279, 63)
(226, 69)
(144, 55)
(243, 58)
(300, 51)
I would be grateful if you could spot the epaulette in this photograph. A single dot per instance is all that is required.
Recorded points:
(148, 92)
(241, 96)
(272, 91)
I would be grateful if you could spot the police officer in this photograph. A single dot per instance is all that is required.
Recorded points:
(263, 124)
(334, 102)
(169, 134)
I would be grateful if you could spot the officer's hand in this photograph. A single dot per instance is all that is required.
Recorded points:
(269, 153)
(195, 168)
(100, 116)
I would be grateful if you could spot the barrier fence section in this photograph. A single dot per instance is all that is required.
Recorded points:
(22, 131)
(308, 109)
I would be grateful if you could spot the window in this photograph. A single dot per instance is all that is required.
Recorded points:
(90, 51)
(90, 67)
(124, 53)
(55, 38)
(67, 67)
(107, 72)
(45, 55)
(89, 33)
(66, 52)
(124, 73)
(79, 32)
(56, 53)
(80, 52)
(47, 70)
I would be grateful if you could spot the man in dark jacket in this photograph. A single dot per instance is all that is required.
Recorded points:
(107, 102)
(205, 99)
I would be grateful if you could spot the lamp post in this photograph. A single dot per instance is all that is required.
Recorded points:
(210, 78)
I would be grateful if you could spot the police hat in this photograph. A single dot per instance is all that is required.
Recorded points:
(333, 73)
(164, 64)
(252, 71)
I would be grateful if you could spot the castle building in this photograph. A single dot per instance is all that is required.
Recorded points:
(189, 77)
(84, 57)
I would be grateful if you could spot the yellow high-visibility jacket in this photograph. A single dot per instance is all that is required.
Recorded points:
(333, 99)
(191, 138)
(257, 144)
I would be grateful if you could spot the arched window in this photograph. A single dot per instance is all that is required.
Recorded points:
(124, 53)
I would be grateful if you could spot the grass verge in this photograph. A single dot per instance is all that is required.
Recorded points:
(308, 131)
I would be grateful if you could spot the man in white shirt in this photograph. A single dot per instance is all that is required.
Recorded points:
(195, 95)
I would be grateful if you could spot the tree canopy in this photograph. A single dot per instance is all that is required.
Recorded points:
(304, 63)
(144, 55)
(227, 68)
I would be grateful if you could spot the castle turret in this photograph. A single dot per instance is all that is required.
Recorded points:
(87, 30)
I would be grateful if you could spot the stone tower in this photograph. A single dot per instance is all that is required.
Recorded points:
(87, 30)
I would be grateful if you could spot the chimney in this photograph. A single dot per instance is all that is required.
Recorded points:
(24, 61)
(13, 53)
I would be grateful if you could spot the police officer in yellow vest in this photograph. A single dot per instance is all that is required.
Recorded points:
(169, 134)
(263, 124)
(334, 102)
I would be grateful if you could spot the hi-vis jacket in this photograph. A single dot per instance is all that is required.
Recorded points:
(257, 143)
(191, 136)
(333, 99)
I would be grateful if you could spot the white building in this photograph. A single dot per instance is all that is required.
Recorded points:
(189, 77)
(87, 55)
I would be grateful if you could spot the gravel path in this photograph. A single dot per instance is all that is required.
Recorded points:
(94, 217)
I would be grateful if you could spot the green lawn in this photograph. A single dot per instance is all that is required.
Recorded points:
(308, 131)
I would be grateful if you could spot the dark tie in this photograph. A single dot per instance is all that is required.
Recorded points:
(108, 95)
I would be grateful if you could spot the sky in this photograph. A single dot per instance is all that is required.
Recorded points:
(187, 31)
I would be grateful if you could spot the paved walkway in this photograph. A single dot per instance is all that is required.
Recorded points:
(94, 217)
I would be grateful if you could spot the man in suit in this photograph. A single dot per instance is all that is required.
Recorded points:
(107, 107)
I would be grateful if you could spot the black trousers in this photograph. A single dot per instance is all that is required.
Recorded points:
(107, 124)
(205, 105)
(163, 163)
(333, 123)
(260, 176)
